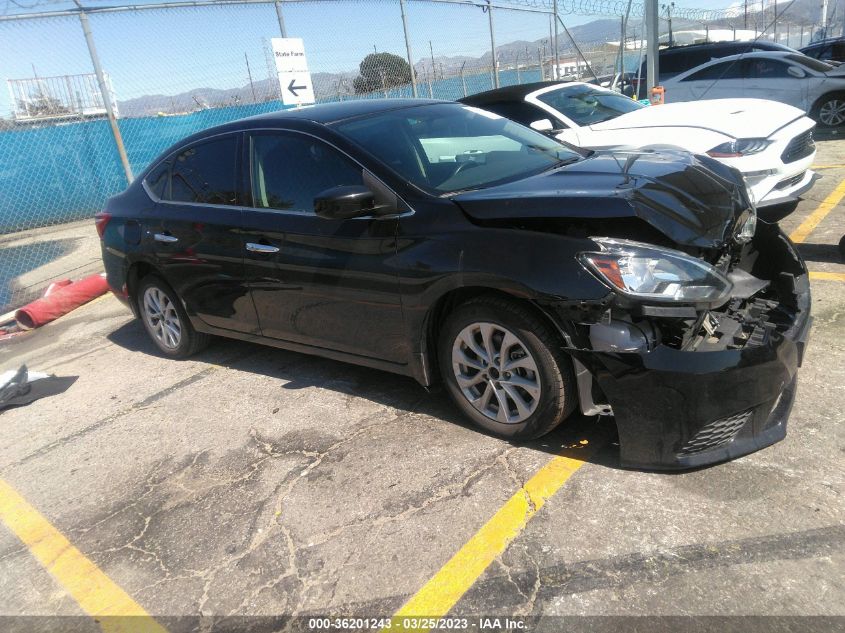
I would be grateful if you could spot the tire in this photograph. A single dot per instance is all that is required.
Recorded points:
(829, 111)
(166, 321)
(537, 371)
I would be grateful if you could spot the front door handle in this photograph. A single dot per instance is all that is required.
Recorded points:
(261, 248)
(165, 237)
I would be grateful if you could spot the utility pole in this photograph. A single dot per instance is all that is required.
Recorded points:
(249, 74)
(775, 23)
(652, 41)
(489, 8)
(744, 16)
(557, 59)
(824, 20)
(408, 49)
(105, 93)
(281, 19)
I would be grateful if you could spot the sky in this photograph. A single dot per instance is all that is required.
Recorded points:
(170, 51)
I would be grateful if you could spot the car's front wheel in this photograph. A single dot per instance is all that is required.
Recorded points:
(504, 368)
(166, 321)
(830, 110)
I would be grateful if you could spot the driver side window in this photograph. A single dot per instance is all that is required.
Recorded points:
(289, 170)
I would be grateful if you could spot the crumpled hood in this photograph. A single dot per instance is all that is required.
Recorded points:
(694, 201)
(739, 118)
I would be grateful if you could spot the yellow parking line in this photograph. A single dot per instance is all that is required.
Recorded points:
(827, 205)
(442, 592)
(827, 276)
(95, 592)
(827, 167)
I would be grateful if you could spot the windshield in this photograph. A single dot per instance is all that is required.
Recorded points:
(450, 147)
(587, 105)
(811, 63)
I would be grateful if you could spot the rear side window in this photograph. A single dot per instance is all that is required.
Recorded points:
(203, 174)
(766, 69)
(725, 70)
(289, 170)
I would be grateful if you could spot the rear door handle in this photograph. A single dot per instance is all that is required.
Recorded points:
(261, 248)
(165, 237)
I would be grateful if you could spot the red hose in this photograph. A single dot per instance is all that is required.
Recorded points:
(60, 302)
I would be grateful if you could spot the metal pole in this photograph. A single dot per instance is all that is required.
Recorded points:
(249, 74)
(652, 41)
(281, 18)
(516, 63)
(408, 49)
(775, 25)
(493, 45)
(557, 58)
(433, 67)
(463, 79)
(105, 93)
(540, 62)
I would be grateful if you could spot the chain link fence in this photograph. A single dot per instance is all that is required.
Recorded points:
(173, 69)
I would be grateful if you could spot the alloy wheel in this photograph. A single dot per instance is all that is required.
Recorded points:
(161, 318)
(496, 373)
(832, 112)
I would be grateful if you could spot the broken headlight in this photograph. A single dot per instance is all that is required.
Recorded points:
(658, 274)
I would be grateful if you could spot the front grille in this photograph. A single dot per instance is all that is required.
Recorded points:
(716, 433)
(799, 147)
(789, 182)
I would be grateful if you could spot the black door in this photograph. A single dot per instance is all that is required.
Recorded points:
(326, 283)
(195, 232)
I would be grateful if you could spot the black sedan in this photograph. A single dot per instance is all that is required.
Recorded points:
(447, 243)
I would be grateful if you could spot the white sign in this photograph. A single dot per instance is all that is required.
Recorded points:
(292, 67)
(296, 88)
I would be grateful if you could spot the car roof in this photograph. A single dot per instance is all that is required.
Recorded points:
(678, 50)
(327, 113)
(516, 92)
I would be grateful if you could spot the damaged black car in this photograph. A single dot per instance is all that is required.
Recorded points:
(447, 243)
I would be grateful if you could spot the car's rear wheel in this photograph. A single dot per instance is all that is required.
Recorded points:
(166, 321)
(830, 110)
(504, 368)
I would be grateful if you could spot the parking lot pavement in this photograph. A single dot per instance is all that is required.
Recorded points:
(252, 481)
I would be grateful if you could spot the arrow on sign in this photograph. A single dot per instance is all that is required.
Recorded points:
(293, 88)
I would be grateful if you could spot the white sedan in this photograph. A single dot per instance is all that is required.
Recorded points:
(770, 143)
(815, 87)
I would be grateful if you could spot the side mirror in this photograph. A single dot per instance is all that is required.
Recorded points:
(796, 72)
(543, 125)
(342, 203)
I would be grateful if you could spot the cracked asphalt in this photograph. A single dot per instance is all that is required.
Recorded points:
(250, 481)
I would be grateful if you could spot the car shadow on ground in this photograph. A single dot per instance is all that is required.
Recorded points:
(821, 253)
(294, 370)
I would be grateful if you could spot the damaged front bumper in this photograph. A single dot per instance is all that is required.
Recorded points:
(687, 406)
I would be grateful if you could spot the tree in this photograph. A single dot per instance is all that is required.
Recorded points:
(379, 71)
